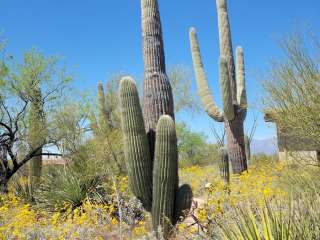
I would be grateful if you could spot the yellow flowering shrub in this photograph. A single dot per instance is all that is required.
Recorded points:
(259, 184)
(216, 201)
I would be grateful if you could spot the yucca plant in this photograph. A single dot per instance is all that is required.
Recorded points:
(66, 188)
(264, 223)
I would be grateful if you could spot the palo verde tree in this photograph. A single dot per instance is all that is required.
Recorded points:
(292, 89)
(232, 85)
(31, 93)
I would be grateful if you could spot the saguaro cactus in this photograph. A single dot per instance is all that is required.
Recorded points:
(224, 164)
(36, 134)
(158, 98)
(157, 186)
(232, 86)
(104, 115)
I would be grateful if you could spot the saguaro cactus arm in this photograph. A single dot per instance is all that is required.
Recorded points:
(202, 82)
(164, 174)
(241, 85)
(226, 43)
(226, 94)
(136, 144)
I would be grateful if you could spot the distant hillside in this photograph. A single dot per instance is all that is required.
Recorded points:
(267, 146)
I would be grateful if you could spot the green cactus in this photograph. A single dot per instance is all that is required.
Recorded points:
(224, 164)
(103, 119)
(183, 202)
(137, 153)
(232, 86)
(157, 186)
(164, 174)
(36, 134)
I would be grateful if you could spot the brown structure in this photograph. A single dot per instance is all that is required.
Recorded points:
(293, 147)
(53, 160)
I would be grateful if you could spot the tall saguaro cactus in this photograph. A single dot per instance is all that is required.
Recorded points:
(150, 139)
(104, 115)
(158, 98)
(36, 134)
(232, 86)
(154, 183)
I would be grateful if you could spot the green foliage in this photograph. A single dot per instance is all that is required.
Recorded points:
(261, 224)
(105, 125)
(23, 190)
(193, 147)
(181, 84)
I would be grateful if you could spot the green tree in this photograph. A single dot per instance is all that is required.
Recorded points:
(31, 93)
(181, 83)
(193, 147)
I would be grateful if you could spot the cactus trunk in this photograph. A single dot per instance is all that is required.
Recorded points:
(235, 143)
(247, 148)
(36, 135)
(158, 98)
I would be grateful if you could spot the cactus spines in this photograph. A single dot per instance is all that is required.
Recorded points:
(228, 109)
(241, 90)
(137, 152)
(234, 102)
(202, 82)
(183, 202)
(224, 164)
(158, 99)
(164, 174)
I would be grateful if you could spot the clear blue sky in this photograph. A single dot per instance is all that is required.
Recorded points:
(101, 37)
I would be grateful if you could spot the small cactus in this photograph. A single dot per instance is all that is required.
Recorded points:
(224, 164)
(248, 150)
(104, 117)
(183, 202)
